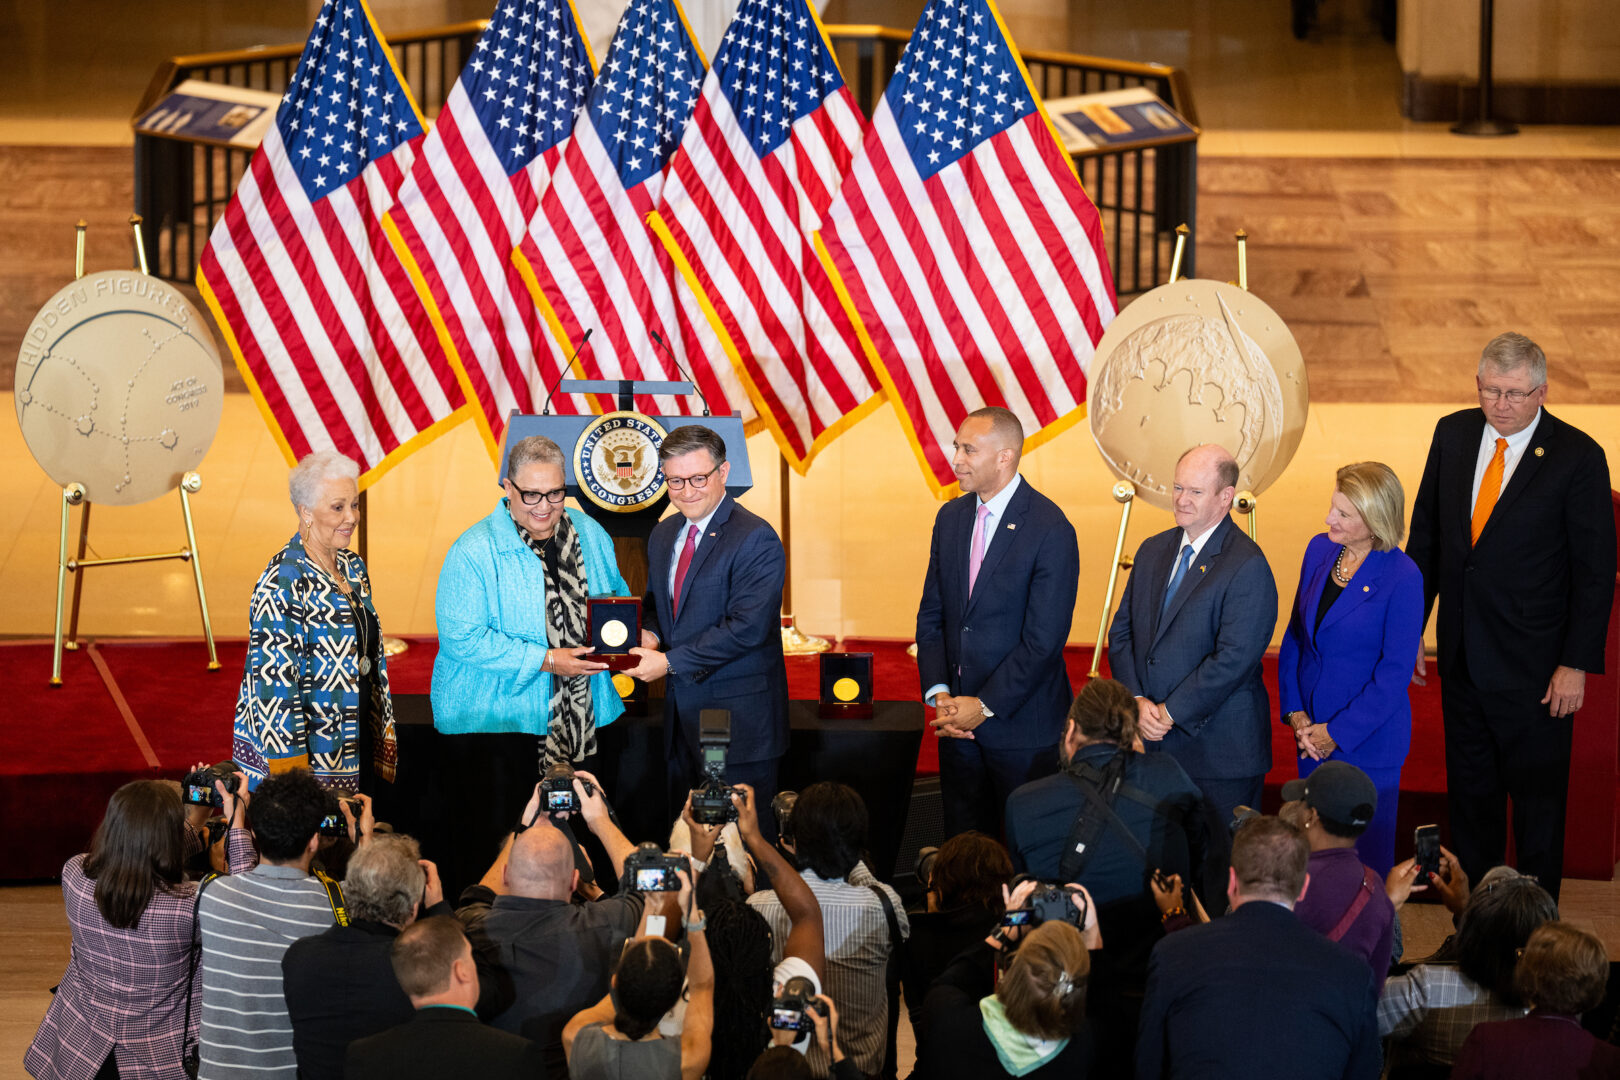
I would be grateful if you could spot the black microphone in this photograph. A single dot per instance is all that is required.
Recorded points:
(669, 353)
(545, 410)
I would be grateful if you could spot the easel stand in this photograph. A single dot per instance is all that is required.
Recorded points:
(73, 495)
(1124, 493)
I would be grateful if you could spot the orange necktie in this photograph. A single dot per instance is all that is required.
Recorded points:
(1490, 486)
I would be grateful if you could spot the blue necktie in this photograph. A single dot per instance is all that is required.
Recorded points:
(1175, 579)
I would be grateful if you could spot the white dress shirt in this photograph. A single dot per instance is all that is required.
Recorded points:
(1510, 457)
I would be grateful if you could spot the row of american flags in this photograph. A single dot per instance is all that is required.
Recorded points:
(378, 279)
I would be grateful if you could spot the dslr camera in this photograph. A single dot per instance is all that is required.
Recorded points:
(711, 799)
(198, 787)
(792, 1009)
(1050, 903)
(333, 824)
(557, 789)
(1241, 815)
(648, 869)
(782, 807)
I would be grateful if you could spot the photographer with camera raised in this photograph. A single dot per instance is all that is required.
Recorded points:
(130, 998)
(783, 1063)
(863, 920)
(749, 988)
(550, 955)
(621, 1035)
(1031, 1020)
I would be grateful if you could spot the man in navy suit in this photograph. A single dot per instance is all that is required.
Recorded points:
(1514, 532)
(712, 620)
(1190, 634)
(1259, 993)
(1003, 568)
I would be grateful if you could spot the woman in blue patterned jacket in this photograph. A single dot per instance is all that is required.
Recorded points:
(512, 610)
(315, 685)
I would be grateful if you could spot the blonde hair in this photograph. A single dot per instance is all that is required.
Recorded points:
(1375, 491)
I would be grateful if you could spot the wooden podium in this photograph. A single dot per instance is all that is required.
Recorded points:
(629, 529)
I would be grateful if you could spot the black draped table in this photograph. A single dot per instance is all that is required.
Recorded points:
(460, 794)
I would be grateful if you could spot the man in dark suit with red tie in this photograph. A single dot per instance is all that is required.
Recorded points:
(997, 604)
(712, 620)
(1514, 533)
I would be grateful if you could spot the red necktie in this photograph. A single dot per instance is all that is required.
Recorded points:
(681, 566)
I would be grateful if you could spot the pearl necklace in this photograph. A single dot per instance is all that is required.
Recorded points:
(1338, 567)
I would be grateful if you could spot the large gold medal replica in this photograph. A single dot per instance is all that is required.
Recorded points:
(1189, 363)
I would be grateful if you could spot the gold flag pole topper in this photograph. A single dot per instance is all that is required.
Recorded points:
(177, 396)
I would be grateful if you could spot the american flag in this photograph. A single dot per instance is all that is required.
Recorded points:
(965, 244)
(589, 259)
(769, 142)
(313, 300)
(471, 193)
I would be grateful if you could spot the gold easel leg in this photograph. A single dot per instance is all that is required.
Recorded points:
(72, 641)
(1124, 494)
(1182, 232)
(72, 494)
(190, 483)
(1247, 502)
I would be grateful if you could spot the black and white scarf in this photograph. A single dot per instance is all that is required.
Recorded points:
(571, 734)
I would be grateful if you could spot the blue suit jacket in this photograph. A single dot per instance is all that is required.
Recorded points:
(725, 650)
(1257, 993)
(1202, 661)
(1004, 644)
(1352, 672)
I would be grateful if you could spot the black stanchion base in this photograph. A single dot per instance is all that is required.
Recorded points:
(1485, 126)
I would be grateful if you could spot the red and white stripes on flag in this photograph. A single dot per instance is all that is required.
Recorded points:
(589, 259)
(768, 144)
(312, 299)
(964, 245)
(469, 197)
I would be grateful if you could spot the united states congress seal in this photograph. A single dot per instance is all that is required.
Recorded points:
(616, 461)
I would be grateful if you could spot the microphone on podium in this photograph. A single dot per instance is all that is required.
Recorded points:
(545, 410)
(656, 336)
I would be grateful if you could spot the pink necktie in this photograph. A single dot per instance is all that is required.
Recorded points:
(977, 555)
(680, 568)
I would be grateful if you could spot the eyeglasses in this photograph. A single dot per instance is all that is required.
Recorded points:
(532, 498)
(1515, 397)
(698, 482)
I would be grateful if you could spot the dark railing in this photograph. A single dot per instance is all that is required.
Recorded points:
(181, 188)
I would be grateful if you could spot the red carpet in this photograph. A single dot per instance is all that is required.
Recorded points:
(63, 750)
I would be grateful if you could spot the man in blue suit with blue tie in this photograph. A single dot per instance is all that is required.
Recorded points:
(1191, 632)
(711, 619)
(997, 604)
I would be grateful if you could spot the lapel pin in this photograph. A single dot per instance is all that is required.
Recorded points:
(1201, 569)
(1540, 452)
(1366, 588)
(1012, 525)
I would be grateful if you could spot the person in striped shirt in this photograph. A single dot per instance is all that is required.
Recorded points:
(249, 919)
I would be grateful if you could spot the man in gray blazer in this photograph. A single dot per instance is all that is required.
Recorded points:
(1190, 634)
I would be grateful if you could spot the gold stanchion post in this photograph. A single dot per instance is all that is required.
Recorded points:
(1124, 493)
(1247, 502)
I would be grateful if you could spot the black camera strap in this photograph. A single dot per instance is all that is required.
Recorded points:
(1096, 814)
(891, 981)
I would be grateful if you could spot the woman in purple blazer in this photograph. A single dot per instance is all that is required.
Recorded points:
(1355, 632)
(122, 1007)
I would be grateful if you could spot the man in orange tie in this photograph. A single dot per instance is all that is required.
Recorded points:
(1514, 532)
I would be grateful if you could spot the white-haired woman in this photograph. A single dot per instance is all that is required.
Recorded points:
(315, 685)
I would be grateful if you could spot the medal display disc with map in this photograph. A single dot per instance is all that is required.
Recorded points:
(119, 387)
(615, 629)
(1194, 362)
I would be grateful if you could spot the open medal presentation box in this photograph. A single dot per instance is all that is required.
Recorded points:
(846, 685)
(615, 628)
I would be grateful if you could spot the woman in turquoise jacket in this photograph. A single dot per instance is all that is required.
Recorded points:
(512, 616)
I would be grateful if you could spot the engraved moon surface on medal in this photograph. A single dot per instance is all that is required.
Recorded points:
(119, 387)
(614, 633)
(1196, 362)
(846, 689)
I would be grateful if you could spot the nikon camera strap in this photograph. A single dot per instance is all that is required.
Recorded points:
(334, 896)
(1097, 813)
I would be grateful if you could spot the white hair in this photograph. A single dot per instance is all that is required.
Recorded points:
(305, 481)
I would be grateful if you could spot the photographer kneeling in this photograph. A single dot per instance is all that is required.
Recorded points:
(130, 998)
(1032, 1020)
